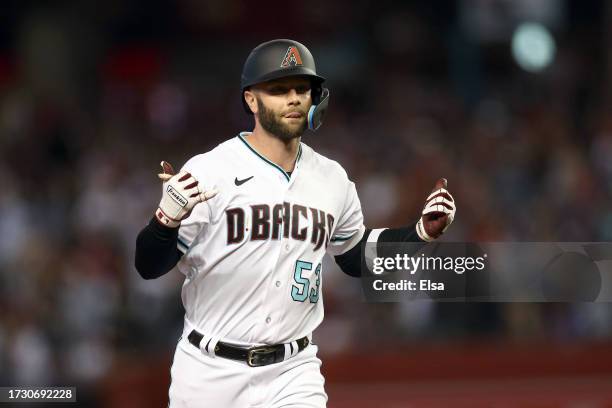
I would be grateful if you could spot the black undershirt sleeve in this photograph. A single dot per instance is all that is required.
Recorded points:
(156, 250)
(404, 234)
(351, 261)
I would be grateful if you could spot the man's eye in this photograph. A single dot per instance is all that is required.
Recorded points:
(279, 90)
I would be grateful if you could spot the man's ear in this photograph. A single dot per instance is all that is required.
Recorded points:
(251, 100)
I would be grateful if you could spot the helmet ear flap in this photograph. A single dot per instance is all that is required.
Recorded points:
(316, 89)
(317, 111)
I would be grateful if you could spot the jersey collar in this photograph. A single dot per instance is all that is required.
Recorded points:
(241, 136)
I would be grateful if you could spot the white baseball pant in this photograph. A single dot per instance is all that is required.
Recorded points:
(200, 381)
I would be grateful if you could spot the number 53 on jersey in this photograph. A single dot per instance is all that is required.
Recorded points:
(301, 290)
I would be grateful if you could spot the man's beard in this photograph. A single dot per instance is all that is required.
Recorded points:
(274, 125)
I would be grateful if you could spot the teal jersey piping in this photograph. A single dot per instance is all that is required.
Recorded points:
(277, 167)
(339, 238)
(182, 245)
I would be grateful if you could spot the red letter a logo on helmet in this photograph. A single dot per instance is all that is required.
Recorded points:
(292, 58)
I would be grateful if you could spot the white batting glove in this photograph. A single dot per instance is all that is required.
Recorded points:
(438, 213)
(180, 194)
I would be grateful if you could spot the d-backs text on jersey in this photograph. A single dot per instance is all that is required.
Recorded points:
(268, 223)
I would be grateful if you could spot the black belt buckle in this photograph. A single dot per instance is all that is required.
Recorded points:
(261, 356)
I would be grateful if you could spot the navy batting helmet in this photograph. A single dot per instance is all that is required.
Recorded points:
(283, 58)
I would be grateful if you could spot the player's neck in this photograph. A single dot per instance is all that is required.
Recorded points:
(278, 151)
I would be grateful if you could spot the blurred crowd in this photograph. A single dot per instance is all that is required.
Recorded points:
(87, 112)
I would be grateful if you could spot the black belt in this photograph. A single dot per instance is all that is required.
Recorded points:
(254, 356)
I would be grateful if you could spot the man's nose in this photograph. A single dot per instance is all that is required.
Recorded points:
(293, 96)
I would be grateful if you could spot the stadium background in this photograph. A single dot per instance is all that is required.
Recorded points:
(94, 94)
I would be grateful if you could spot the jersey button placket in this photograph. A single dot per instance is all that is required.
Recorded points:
(279, 272)
(277, 246)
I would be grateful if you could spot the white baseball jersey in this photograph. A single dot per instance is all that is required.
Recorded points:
(253, 254)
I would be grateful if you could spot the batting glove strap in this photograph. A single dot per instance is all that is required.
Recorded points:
(420, 230)
(165, 220)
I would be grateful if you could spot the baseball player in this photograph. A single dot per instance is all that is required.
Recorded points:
(248, 224)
